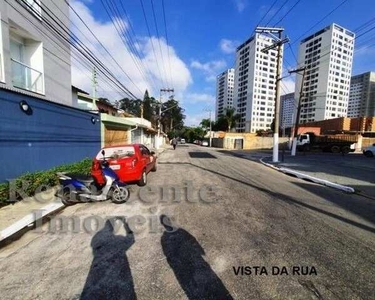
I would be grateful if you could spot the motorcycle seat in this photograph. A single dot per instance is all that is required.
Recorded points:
(85, 179)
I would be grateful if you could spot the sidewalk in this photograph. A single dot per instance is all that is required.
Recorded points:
(163, 148)
(15, 217)
(354, 170)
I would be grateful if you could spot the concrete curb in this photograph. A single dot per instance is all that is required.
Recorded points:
(161, 150)
(29, 220)
(267, 164)
(343, 188)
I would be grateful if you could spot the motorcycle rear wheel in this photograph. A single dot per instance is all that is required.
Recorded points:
(65, 197)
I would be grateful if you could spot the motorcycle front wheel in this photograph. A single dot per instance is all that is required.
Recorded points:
(119, 194)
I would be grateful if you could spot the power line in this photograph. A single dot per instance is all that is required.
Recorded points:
(121, 31)
(291, 50)
(362, 27)
(321, 20)
(287, 13)
(269, 9)
(274, 15)
(71, 35)
(59, 47)
(166, 36)
(349, 41)
(96, 38)
(359, 29)
(88, 28)
(131, 48)
(157, 33)
(78, 45)
(152, 43)
(130, 33)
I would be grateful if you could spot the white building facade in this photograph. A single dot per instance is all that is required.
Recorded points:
(288, 110)
(362, 96)
(255, 84)
(328, 57)
(33, 59)
(224, 92)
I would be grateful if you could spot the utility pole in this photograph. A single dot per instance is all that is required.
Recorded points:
(210, 129)
(94, 82)
(277, 44)
(210, 111)
(294, 146)
(166, 90)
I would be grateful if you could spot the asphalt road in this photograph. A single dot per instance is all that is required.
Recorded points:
(246, 215)
(353, 169)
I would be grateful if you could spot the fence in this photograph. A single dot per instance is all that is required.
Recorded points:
(37, 134)
(246, 141)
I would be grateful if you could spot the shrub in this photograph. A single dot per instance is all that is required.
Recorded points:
(43, 178)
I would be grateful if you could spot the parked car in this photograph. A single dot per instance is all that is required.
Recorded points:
(205, 143)
(183, 141)
(130, 162)
(369, 151)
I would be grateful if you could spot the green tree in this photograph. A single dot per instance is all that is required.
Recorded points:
(221, 124)
(172, 117)
(205, 123)
(131, 106)
(150, 107)
(231, 117)
(192, 133)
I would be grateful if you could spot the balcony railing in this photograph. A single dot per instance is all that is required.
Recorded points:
(27, 78)
(1, 68)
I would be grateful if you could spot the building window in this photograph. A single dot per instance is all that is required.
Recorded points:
(26, 55)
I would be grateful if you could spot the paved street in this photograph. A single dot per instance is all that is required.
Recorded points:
(353, 170)
(252, 216)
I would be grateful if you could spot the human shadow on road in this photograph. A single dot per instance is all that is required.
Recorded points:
(185, 256)
(110, 275)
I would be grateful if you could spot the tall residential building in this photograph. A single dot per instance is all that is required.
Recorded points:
(255, 84)
(288, 110)
(33, 59)
(224, 91)
(362, 96)
(328, 56)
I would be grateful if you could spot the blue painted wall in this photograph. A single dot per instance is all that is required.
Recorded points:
(51, 135)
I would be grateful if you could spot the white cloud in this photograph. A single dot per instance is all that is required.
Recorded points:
(228, 46)
(107, 34)
(195, 119)
(208, 67)
(211, 69)
(211, 78)
(199, 98)
(241, 5)
(288, 86)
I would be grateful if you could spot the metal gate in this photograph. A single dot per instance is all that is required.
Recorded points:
(137, 136)
(238, 144)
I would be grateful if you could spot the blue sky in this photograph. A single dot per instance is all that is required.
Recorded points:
(203, 35)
